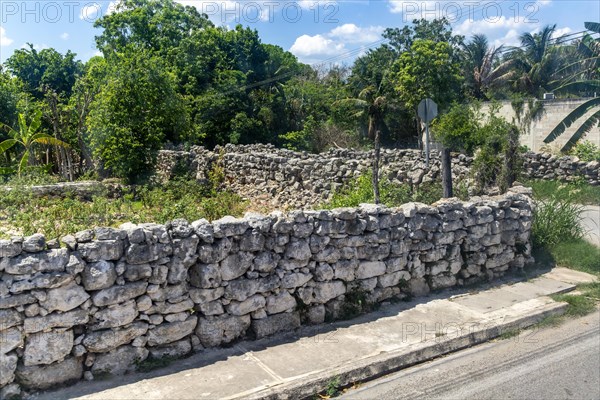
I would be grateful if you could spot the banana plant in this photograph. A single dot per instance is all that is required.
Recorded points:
(27, 136)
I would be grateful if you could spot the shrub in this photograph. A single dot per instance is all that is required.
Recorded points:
(586, 151)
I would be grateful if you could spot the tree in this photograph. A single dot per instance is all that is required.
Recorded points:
(45, 70)
(155, 25)
(137, 110)
(530, 68)
(28, 136)
(479, 62)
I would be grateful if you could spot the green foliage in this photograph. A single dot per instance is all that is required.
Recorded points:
(556, 220)
(458, 128)
(137, 109)
(45, 70)
(586, 151)
(21, 210)
(27, 136)
(428, 69)
(496, 159)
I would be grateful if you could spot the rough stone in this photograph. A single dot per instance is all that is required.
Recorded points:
(171, 332)
(99, 275)
(47, 347)
(280, 303)
(119, 361)
(275, 323)
(106, 340)
(40, 377)
(65, 298)
(119, 294)
(115, 315)
(213, 331)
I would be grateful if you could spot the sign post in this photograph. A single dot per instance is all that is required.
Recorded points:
(427, 111)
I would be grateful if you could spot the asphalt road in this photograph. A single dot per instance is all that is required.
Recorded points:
(552, 363)
(590, 221)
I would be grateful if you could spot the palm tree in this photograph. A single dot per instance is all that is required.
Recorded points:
(480, 60)
(27, 136)
(531, 67)
(582, 76)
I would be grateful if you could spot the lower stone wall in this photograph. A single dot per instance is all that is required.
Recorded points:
(111, 298)
(295, 180)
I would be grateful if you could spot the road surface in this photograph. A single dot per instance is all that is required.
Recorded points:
(552, 363)
(590, 221)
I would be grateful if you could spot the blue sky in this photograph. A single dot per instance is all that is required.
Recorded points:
(316, 32)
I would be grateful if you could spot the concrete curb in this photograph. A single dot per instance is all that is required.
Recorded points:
(386, 363)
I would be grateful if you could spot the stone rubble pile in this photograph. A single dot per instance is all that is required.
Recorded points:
(111, 298)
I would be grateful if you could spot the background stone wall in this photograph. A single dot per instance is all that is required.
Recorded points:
(298, 180)
(111, 298)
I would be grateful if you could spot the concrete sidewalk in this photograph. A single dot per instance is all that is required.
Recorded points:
(303, 362)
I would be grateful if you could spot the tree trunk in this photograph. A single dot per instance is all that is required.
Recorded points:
(510, 160)
(447, 172)
(376, 168)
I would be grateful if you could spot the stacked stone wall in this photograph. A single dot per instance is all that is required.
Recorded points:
(295, 180)
(110, 298)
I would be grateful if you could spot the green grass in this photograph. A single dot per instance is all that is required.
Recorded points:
(24, 213)
(578, 192)
(360, 190)
(579, 255)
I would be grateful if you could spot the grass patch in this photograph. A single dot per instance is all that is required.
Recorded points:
(22, 212)
(577, 254)
(360, 190)
(578, 192)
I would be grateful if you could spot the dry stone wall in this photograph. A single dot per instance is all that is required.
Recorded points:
(110, 298)
(298, 180)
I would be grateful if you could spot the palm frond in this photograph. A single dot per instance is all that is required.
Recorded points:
(36, 122)
(43, 138)
(571, 118)
(578, 86)
(7, 144)
(582, 130)
(592, 26)
(24, 161)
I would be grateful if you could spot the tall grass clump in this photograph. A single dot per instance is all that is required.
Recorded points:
(556, 220)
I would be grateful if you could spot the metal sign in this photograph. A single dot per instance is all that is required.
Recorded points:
(427, 110)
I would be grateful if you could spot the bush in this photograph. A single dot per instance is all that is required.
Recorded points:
(586, 151)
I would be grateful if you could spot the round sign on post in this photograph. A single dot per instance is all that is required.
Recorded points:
(427, 111)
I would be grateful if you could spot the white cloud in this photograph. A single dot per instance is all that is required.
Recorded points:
(350, 33)
(93, 11)
(64, 36)
(561, 31)
(320, 47)
(4, 40)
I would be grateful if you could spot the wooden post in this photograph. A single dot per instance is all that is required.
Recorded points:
(375, 179)
(446, 172)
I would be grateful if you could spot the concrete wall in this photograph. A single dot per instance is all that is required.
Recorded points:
(552, 114)
(111, 298)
